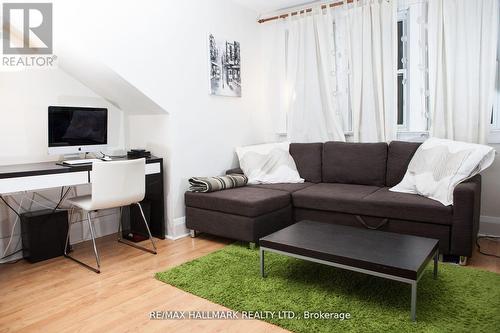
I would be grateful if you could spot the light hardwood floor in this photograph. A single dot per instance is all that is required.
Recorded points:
(487, 262)
(59, 295)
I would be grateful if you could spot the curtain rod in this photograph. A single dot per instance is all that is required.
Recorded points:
(306, 10)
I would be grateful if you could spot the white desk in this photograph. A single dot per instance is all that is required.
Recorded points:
(46, 175)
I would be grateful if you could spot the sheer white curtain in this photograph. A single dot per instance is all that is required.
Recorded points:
(372, 50)
(310, 76)
(462, 58)
(274, 69)
(341, 73)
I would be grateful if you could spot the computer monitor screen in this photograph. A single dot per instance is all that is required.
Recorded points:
(77, 129)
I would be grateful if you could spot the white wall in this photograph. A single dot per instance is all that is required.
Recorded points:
(205, 128)
(152, 132)
(491, 185)
(24, 98)
(161, 48)
(490, 207)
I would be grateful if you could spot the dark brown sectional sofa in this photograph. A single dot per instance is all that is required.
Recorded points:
(345, 183)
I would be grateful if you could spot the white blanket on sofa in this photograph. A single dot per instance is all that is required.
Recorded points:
(439, 165)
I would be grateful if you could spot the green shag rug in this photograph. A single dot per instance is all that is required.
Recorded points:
(462, 299)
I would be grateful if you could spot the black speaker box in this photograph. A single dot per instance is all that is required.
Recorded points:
(43, 234)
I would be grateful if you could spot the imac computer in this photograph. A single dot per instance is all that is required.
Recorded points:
(74, 130)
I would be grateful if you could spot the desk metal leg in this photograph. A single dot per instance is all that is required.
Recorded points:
(120, 224)
(63, 197)
(413, 313)
(262, 270)
(70, 221)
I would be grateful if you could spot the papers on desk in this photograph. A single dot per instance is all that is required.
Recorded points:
(80, 162)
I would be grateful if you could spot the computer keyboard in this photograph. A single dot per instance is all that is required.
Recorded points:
(84, 161)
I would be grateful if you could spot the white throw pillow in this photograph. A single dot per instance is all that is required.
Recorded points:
(439, 165)
(268, 164)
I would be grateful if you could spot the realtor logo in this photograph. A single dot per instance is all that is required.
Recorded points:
(27, 28)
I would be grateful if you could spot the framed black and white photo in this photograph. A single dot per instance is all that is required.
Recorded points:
(224, 67)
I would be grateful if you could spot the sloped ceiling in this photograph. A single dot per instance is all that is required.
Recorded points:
(101, 79)
(106, 83)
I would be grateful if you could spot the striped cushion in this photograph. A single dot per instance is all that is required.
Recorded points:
(211, 184)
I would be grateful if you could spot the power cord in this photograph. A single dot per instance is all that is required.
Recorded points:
(18, 217)
(479, 247)
(112, 156)
(8, 205)
(63, 195)
(12, 262)
(49, 200)
(45, 206)
(10, 255)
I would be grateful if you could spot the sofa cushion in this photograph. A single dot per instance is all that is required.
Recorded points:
(385, 203)
(287, 187)
(355, 163)
(307, 157)
(372, 201)
(246, 201)
(345, 198)
(399, 156)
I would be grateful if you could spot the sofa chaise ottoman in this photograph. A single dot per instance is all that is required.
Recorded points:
(243, 213)
(345, 183)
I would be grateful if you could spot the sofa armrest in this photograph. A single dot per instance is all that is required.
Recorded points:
(234, 170)
(466, 213)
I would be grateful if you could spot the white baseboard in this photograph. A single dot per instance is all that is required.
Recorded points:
(176, 237)
(489, 226)
(178, 230)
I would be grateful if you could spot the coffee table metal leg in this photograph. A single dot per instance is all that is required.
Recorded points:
(262, 272)
(436, 259)
(413, 314)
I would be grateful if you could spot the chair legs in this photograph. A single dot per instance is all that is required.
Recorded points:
(154, 251)
(92, 235)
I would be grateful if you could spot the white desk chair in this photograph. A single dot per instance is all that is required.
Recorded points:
(114, 184)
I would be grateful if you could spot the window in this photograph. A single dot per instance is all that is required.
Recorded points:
(402, 69)
(412, 104)
(412, 76)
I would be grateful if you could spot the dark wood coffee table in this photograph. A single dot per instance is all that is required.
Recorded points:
(384, 254)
